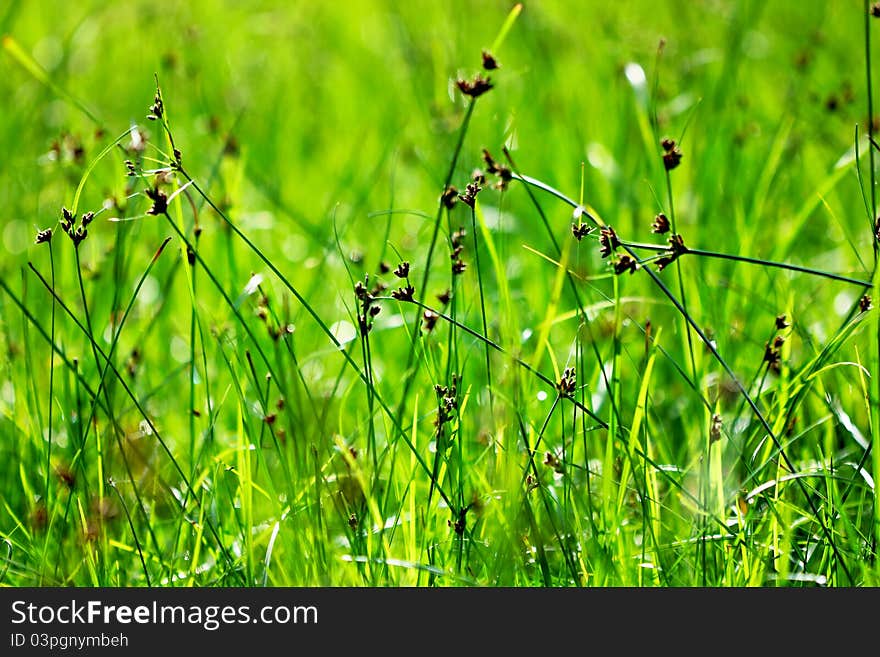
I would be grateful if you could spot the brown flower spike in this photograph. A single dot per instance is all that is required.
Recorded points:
(625, 263)
(671, 155)
(608, 241)
(449, 197)
(476, 87)
(660, 225)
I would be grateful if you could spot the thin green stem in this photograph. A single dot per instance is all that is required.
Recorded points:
(659, 248)
(681, 292)
(711, 347)
(483, 312)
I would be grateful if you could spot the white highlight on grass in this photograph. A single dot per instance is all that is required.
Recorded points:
(542, 396)
(312, 371)
(260, 220)
(499, 221)
(843, 302)
(149, 291)
(344, 331)
(867, 477)
(253, 284)
(391, 322)
(636, 76)
(601, 159)
(7, 393)
(137, 140)
(59, 437)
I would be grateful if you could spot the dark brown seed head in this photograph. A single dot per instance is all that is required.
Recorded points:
(875, 10)
(403, 293)
(476, 87)
(78, 236)
(430, 319)
(491, 165)
(364, 325)
(715, 429)
(449, 197)
(567, 382)
(781, 322)
(402, 270)
(667, 144)
(580, 230)
(663, 262)
(67, 220)
(660, 225)
(44, 236)
(458, 267)
(772, 357)
(489, 61)
(677, 244)
(608, 241)
(159, 199)
(671, 159)
(865, 303)
(66, 475)
(470, 194)
(157, 109)
(625, 263)
(444, 296)
(505, 175)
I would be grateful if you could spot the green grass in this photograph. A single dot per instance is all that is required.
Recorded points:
(239, 388)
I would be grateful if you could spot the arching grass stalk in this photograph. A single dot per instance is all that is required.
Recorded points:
(752, 261)
(828, 535)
